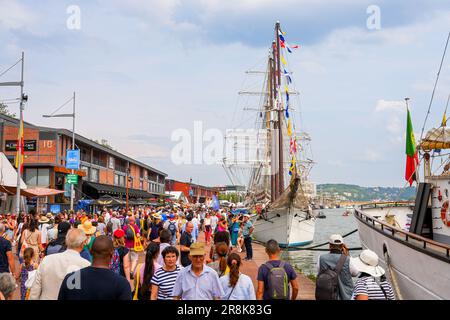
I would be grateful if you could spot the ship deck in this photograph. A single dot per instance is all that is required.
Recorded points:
(371, 216)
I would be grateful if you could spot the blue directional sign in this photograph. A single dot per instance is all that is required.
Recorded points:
(73, 159)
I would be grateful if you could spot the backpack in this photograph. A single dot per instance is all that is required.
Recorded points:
(129, 234)
(172, 228)
(278, 283)
(114, 265)
(328, 280)
(55, 248)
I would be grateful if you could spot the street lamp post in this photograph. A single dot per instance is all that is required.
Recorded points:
(128, 177)
(70, 115)
(23, 98)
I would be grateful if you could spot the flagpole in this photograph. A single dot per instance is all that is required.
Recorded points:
(416, 167)
(20, 144)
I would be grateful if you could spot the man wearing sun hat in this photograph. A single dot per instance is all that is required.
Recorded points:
(339, 261)
(372, 283)
(44, 225)
(202, 280)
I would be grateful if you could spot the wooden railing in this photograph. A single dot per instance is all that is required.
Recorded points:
(426, 243)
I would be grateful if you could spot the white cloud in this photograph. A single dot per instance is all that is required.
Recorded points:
(370, 155)
(390, 105)
(14, 15)
(336, 163)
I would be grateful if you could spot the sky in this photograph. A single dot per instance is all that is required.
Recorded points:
(146, 69)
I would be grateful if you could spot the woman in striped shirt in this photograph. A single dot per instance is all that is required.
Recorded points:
(372, 283)
(164, 278)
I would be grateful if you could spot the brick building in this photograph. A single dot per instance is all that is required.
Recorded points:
(193, 192)
(102, 170)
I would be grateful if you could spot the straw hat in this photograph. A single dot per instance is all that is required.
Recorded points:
(156, 216)
(197, 249)
(43, 219)
(87, 227)
(367, 262)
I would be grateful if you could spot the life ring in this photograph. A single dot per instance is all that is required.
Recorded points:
(445, 214)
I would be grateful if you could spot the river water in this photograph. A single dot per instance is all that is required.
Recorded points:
(334, 222)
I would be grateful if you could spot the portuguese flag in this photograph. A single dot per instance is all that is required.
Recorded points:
(412, 159)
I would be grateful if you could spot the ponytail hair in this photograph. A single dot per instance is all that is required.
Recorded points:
(222, 251)
(28, 255)
(234, 262)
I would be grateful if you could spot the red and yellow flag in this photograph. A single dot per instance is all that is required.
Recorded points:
(20, 148)
(412, 159)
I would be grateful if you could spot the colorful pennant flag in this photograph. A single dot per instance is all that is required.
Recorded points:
(288, 77)
(412, 159)
(281, 36)
(20, 148)
(444, 120)
(289, 128)
(282, 60)
(293, 145)
(292, 168)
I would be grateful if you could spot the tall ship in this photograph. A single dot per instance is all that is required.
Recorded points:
(412, 239)
(273, 159)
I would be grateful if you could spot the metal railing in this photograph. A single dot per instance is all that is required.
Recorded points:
(395, 232)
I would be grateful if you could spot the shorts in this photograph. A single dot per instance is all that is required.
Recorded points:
(133, 255)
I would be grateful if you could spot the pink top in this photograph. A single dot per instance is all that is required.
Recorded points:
(156, 266)
(130, 243)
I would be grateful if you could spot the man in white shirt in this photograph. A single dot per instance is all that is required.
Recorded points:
(43, 227)
(214, 221)
(53, 268)
(115, 222)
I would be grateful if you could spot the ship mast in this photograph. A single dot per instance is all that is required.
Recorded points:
(277, 88)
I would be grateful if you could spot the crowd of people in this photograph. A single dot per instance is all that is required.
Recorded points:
(156, 253)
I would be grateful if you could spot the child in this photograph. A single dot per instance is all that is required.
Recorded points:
(27, 266)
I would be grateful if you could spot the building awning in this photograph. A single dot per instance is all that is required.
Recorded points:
(102, 189)
(31, 192)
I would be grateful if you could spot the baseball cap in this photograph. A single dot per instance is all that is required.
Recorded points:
(119, 233)
(63, 227)
(336, 239)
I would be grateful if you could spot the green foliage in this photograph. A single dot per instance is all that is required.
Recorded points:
(357, 193)
(231, 197)
(4, 110)
(105, 143)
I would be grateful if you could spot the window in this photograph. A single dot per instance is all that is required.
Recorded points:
(120, 165)
(119, 180)
(87, 171)
(85, 155)
(31, 177)
(111, 162)
(37, 177)
(99, 158)
(94, 175)
(141, 185)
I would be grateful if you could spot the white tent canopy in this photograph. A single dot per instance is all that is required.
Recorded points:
(177, 196)
(8, 174)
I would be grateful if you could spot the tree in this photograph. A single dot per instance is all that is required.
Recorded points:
(105, 143)
(4, 110)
